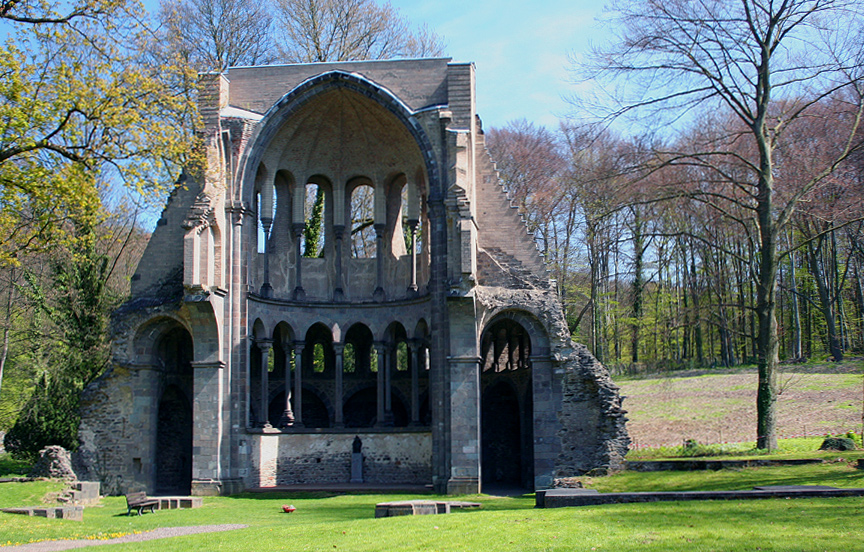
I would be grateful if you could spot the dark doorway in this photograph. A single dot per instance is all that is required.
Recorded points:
(501, 436)
(506, 422)
(174, 416)
(174, 444)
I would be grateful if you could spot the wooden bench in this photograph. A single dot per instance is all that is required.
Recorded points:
(139, 501)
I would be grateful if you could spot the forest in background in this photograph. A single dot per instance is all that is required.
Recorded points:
(653, 279)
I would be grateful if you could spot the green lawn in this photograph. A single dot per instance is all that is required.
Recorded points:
(347, 522)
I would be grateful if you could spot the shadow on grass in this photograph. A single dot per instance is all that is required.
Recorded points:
(9, 467)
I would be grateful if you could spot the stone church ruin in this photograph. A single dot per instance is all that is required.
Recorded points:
(346, 264)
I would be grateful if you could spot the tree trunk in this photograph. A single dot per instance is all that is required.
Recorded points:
(638, 284)
(826, 302)
(797, 353)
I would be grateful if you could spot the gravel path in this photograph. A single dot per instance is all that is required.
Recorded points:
(162, 533)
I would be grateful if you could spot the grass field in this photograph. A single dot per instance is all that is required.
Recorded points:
(720, 407)
(324, 522)
(709, 408)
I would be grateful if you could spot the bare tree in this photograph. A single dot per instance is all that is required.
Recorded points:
(213, 35)
(768, 62)
(343, 30)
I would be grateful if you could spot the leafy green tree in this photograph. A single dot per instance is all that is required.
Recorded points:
(76, 301)
(81, 106)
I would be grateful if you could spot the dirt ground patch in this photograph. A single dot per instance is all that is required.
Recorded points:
(713, 407)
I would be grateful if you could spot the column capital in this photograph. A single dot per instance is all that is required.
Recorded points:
(263, 342)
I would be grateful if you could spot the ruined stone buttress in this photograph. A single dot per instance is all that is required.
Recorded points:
(347, 264)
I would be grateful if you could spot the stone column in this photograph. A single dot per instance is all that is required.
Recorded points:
(389, 358)
(298, 383)
(465, 425)
(207, 427)
(412, 287)
(546, 403)
(416, 358)
(266, 288)
(379, 294)
(338, 292)
(338, 349)
(263, 410)
(287, 418)
(299, 293)
(379, 348)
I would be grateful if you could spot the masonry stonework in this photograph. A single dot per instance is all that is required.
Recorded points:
(346, 264)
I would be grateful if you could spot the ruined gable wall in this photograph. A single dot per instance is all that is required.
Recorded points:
(419, 83)
(161, 265)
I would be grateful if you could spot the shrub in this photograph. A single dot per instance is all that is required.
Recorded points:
(837, 443)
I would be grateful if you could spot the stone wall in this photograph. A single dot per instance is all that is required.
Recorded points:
(419, 83)
(285, 459)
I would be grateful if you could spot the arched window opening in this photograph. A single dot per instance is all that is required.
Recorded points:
(318, 358)
(313, 233)
(401, 357)
(373, 361)
(260, 232)
(505, 347)
(363, 222)
(358, 354)
(349, 361)
(400, 243)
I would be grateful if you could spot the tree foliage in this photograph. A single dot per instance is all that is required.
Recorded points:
(80, 106)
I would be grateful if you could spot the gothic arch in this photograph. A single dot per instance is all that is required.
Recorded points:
(294, 100)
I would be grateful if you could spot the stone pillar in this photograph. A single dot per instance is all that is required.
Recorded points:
(287, 418)
(299, 293)
(416, 358)
(389, 358)
(379, 294)
(298, 383)
(547, 402)
(264, 346)
(237, 326)
(380, 351)
(339, 420)
(207, 428)
(338, 292)
(266, 288)
(412, 286)
(465, 425)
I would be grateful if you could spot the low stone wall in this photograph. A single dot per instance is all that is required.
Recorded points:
(287, 459)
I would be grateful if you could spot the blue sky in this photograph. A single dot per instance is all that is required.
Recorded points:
(520, 49)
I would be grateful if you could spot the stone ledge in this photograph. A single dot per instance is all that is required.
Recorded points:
(420, 507)
(75, 513)
(559, 498)
(178, 502)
